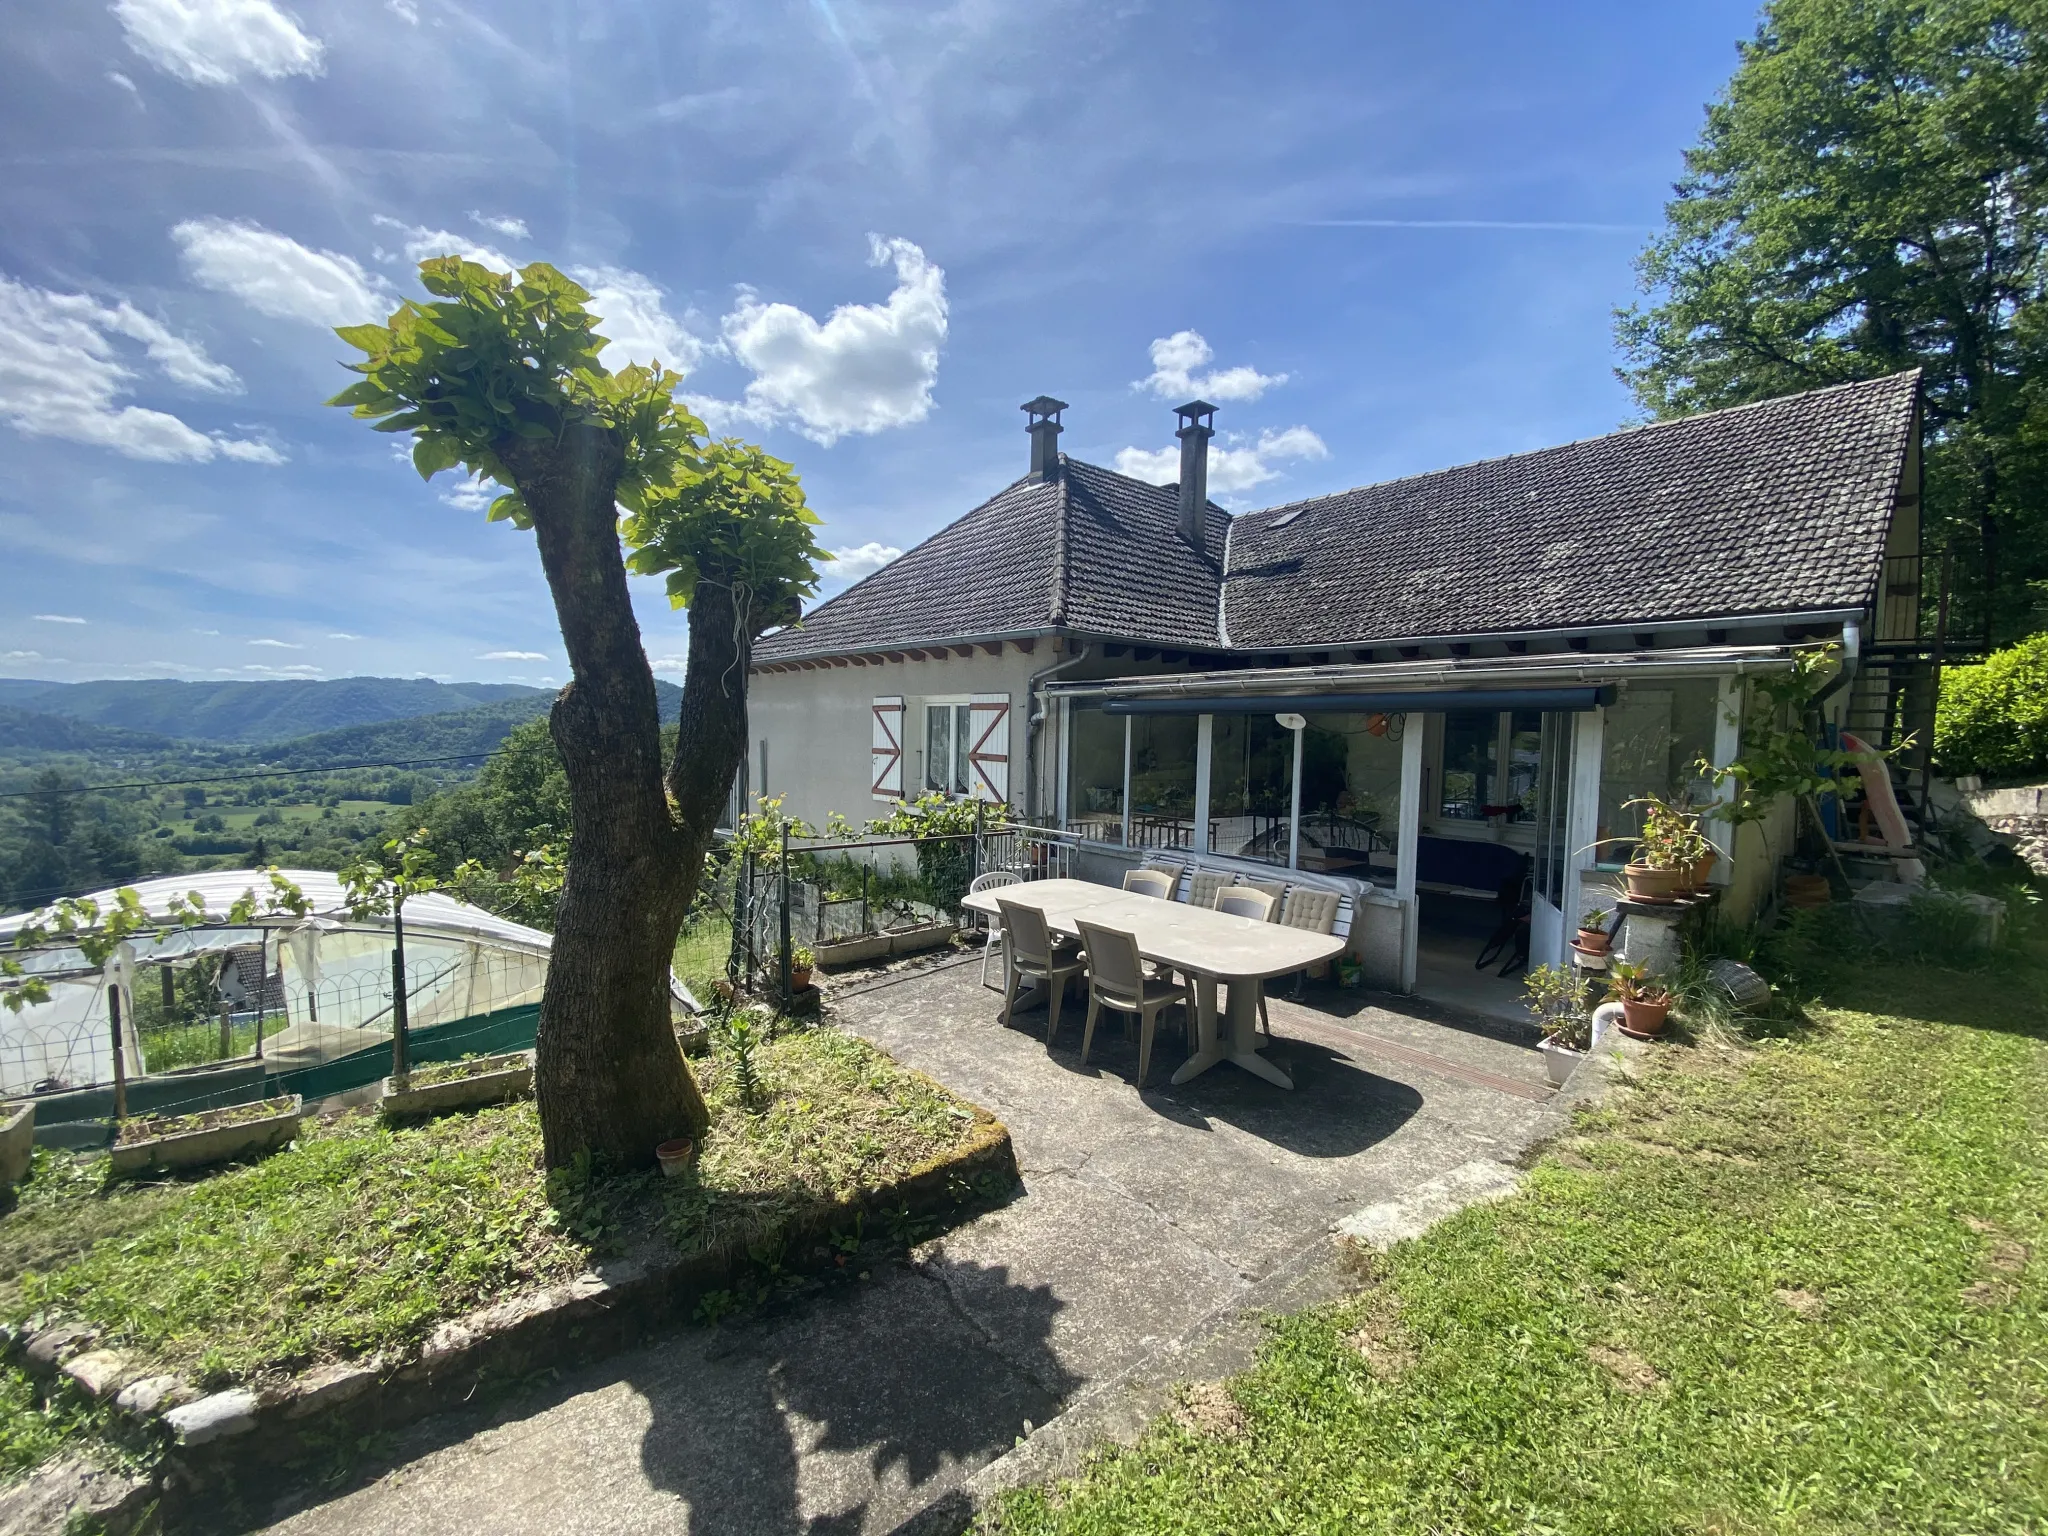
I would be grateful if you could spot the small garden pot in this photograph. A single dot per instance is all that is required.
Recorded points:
(1591, 959)
(190, 1141)
(1700, 869)
(1559, 1062)
(1646, 883)
(1644, 1019)
(17, 1141)
(676, 1157)
(1593, 941)
(799, 977)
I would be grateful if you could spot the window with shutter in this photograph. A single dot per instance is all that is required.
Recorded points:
(988, 755)
(887, 763)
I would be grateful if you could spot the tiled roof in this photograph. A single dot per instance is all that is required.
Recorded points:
(1094, 552)
(1777, 507)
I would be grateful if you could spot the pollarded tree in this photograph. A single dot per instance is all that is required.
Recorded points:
(500, 375)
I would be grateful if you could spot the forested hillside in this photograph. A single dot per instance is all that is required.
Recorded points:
(254, 713)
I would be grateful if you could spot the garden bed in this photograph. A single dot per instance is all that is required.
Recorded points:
(470, 1083)
(150, 1142)
(371, 1271)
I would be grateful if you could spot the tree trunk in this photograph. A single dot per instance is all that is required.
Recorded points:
(609, 1074)
(711, 734)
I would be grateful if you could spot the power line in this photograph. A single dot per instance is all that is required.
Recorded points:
(236, 778)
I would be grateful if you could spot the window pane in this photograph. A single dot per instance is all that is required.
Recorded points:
(1525, 751)
(1251, 784)
(1650, 741)
(963, 743)
(938, 746)
(1351, 793)
(1471, 738)
(1162, 781)
(1095, 773)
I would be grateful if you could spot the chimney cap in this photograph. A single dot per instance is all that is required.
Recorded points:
(1191, 413)
(1043, 406)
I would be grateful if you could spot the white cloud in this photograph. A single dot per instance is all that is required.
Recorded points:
(61, 375)
(205, 631)
(276, 276)
(342, 634)
(498, 224)
(867, 368)
(404, 10)
(57, 618)
(677, 664)
(1231, 469)
(639, 328)
(419, 243)
(860, 560)
(470, 495)
(217, 42)
(279, 645)
(116, 77)
(21, 655)
(257, 669)
(1175, 359)
(513, 656)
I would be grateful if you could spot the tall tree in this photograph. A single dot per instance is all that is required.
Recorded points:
(1871, 194)
(501, 376)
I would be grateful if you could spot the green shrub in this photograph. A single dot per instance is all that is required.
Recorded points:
(1993, 717)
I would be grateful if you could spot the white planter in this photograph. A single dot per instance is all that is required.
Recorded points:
(1559, 1062)
(17, 1142)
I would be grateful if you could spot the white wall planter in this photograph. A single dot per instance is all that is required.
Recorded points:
(17, 1142)
(858, 951)
(492, 1080)
(931, 936)
(213, 1144)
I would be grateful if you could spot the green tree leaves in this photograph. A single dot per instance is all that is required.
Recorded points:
(1871, 194)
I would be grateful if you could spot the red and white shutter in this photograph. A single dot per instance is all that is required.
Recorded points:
(887, 764)
(988, 756)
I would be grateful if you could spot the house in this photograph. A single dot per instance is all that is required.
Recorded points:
(1423, 685)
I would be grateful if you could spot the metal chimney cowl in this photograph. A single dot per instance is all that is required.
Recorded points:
(1044, 427)
(1197, 426)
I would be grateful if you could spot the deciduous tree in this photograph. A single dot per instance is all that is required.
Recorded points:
(500, 374)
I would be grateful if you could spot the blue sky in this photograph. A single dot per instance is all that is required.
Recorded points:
(1384, 238)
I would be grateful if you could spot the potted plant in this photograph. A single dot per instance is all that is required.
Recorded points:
(1666, 850)
(1645, 1001)
(1558, 1000)
(1593, 935)
(801, 963)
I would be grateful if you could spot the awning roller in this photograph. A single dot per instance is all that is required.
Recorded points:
(1566, 700)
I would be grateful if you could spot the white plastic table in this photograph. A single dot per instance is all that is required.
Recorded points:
(1208, 946)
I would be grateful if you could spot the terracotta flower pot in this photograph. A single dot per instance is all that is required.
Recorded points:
(676, 1157)
(799, 977)
(1595, 941)
(1649, 884)
(1644, 1019)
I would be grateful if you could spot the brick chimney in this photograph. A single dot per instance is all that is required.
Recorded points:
(1044, 427)
(1197, 426)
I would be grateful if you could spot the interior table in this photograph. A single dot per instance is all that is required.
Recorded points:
(1206, 946)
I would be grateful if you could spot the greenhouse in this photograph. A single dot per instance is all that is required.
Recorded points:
(285, 1002)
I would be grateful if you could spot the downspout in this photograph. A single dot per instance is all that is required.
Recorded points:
(1035, 703)
(1852, 660)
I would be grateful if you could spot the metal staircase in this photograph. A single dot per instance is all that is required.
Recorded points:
(1892, 696)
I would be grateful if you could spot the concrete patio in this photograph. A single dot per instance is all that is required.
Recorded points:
(1146, 1219)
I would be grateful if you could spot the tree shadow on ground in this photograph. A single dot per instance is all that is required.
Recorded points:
(856, 1413)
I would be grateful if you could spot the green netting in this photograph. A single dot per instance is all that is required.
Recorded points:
(481, 1034)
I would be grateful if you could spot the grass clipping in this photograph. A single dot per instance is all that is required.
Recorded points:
(361, 1238)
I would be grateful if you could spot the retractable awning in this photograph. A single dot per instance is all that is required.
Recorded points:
(1387, 702)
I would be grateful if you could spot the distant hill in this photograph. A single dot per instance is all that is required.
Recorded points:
(256, 713)
(27, 730)
(456, 732)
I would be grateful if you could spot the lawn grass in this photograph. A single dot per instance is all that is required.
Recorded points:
(361, 1238)
(1781, 1283)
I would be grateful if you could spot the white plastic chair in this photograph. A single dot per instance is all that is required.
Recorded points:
(1255, 903)
(1203, 885)
(1033, 952)
(1312, 911)
(1117, 979)
(1149, 882)
(994, 880)
(1277, 889)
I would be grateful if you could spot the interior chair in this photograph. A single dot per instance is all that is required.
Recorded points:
(1117, 979)
(1509, 942)
(994, 880)
(1033, 951)
(1313, 911)
(1203, 885)
(1149, 882)
(1256, 903)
